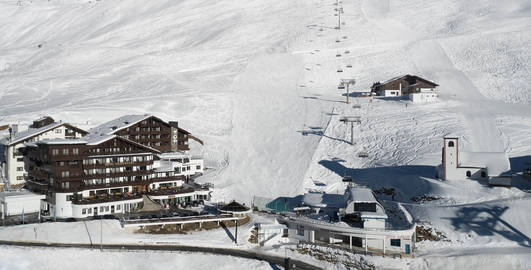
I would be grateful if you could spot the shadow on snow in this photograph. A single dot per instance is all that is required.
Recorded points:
(487, 221)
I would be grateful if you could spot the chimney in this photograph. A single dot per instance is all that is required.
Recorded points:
(174, 124)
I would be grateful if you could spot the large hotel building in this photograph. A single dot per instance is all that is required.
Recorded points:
(115, 168)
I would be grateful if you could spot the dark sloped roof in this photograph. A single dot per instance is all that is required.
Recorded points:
(234, 207)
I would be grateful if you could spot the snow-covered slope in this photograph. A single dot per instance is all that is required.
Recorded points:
(257, 81)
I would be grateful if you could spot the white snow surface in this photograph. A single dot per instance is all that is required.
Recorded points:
(35, 258)
(257, 81)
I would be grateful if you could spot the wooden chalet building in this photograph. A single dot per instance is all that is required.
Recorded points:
(402, 85)
(114, 169)
(150, 131)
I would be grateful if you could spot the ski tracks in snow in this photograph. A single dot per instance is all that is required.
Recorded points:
(431, 59)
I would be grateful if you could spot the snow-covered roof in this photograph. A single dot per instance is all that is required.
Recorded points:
(119, 123)
(451, 136)
(364, 195)
(92, 139)
(173, 155)
(30, 132)
(163, 166)
(496, 163)
(360, 194)
(22, 194)
(395, 78)
(322, 200)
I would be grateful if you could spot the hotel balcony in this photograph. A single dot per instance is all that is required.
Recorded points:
(105, 198)
(168, 191)
(117, 164)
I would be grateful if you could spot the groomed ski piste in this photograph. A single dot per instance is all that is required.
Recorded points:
(257, 81)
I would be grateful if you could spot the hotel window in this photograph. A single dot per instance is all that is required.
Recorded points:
(58, 130)
(20, 159)
(395, 242)
(84, 211)
(75, 151)
(198, 167)
(55, 152)
(118, 207)
(65, 174)
(19, 169)
(65, 185)
(89, 211)
(107, 208)
(19, 178)
(450, 144)
(101, 208)
(65, 151)
(300, 230)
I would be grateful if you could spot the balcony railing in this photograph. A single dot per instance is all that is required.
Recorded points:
(170, 191)
(118, 164)
(118, 174)
(107, 198)
(168, 178)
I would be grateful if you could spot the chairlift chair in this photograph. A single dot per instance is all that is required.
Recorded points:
(339, 70)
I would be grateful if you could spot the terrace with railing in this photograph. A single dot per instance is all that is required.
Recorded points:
(104, 198)
(162, 191)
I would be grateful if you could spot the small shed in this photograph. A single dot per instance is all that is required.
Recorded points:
(266, 231)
